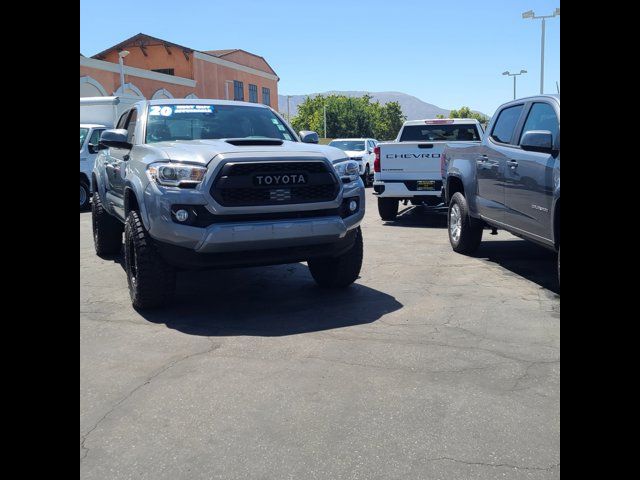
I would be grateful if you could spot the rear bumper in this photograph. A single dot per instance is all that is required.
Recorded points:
(398, 189)
(186, 258)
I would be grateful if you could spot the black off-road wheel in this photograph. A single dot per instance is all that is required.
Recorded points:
(107, 230)
(388, 208)
(339, 272)
(465, 233)
(85, 195)
(151, 280)
(367, 178)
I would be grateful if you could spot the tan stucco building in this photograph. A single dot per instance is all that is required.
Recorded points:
(155, 68)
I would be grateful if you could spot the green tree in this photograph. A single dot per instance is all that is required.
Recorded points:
(465, 112)
(349, 117)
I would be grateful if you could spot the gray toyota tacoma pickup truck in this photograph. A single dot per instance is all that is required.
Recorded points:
(509, 181)
(216, 184)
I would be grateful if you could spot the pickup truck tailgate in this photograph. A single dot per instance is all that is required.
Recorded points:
(410, 160)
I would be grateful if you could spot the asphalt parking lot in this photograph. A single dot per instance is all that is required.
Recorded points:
(432, 366)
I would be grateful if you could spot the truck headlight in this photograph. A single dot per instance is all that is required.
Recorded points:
(347, 169)
(176, 174)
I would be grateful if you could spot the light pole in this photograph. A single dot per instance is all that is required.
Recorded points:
(530, 14)
(325, 120)
(121, 56)
(514, 75)
(288, 113)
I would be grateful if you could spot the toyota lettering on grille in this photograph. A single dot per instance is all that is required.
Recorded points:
(280, 179)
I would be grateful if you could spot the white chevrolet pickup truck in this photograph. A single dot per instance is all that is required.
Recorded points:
(410, 168)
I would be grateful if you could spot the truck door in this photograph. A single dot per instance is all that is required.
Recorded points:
(491, 163)
(530, 177)
(116, 165)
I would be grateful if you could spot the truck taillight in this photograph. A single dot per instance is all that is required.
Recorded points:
(376, 162)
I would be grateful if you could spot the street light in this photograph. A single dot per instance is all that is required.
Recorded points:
(514, 75)
(121, 56)
(532, 15)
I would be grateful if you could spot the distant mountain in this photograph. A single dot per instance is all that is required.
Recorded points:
(412, 107)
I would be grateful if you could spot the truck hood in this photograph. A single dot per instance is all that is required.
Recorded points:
(203, 151)
(355, 153)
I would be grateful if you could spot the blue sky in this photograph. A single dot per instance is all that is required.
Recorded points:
(446, 53)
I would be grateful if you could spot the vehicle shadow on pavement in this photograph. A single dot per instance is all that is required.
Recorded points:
(526, 259)
(266, 301)
(417, 216)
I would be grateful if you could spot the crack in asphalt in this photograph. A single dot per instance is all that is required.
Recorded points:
(404, 369)
(483, 464)
(159, 372)
(520, 378)
(440, 344)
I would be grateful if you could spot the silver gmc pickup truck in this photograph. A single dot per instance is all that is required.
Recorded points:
(216, 184)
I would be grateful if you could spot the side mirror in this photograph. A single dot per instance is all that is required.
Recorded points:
(116, 138)
(307, 136)
(537, 141)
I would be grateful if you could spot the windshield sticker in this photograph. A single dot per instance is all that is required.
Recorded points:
(275, 121)
(158, 110)
(286, 136)
(167, 111)
(193, 109)
(281, 128)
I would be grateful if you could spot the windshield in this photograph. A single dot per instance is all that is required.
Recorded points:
(83, 135)
(353, 145)
(439, 133)
(195, 122)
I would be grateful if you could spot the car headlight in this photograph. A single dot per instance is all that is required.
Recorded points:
(347, 169)
(176, 174)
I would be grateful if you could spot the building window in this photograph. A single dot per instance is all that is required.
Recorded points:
(253, 93)
(166, 71)
(266, 96)
(238, 90)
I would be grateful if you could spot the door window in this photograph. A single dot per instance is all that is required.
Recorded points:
(131, 125)
(506, 124)
(123, 119)
(542, 116)
(95, 136)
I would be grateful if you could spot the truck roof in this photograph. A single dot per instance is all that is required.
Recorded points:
(441, 120)
(201, 101)
(555, 96)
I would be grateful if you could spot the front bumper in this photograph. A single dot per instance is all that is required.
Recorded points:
(245, 236)
(186, 258)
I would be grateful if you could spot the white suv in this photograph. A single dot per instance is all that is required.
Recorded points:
(361, 151)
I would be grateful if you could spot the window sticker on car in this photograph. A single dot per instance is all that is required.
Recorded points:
(159, 110)
(281, 128)
(286, 136)
(275, 121)
(193, 109)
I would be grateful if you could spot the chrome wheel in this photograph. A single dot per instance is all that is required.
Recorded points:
(455, 222)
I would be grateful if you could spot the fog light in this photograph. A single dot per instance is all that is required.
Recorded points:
(353, 205)
(182, 215)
